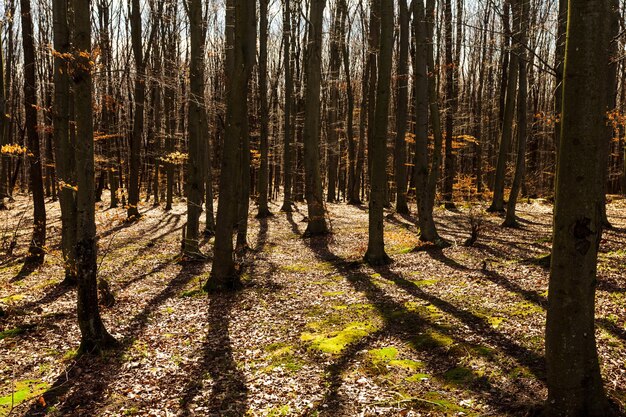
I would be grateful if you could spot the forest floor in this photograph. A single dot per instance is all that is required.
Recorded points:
(449, 332)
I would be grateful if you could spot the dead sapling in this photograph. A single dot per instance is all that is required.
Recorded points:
(106, 296)
(476, 220)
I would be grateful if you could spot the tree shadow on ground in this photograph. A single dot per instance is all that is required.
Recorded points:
(28, 268)
(81, 388)
(228, 391)
(408, 324)
(54, 293)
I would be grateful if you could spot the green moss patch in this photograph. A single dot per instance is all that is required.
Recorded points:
(192, 293)
(336, 341)
(281, 355)
(432, 339)
(459, 376)
(525, 309)
(385, 354)
(22, 391)
(417, 377)
(424, 282)
(427, 311)
(12, 298)
(332, 293)
(11, 333)
(387, 357)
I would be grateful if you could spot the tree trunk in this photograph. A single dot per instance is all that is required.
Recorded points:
(345, 51)
(4, 160)
(197, 109)
(520, 166)
(140, 98)
(287, 146)
(497, 204)
(170, 100)
(263, 210)
(94, 337)
(65, 156)
(311, 133)
(402, 97)
(332, 104)
(240, 16)
(451, 99)
(425, 103)
(375, 254)
(574, 380)
(37, 245)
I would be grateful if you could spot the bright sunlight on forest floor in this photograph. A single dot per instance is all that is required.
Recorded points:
(457, 331)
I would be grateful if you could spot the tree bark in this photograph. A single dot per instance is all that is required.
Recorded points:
(287, 145)
(574, 380)
(333, 104)
(375, 254)
(497, 204)
(520, 166)
(37, 245)
(197, 109)
(426, 102)
(240, 14)
(311, 133)
(263, 209)
(451, 99)
(402, 97)
(65, 155)
(94, 337)
(4, 160)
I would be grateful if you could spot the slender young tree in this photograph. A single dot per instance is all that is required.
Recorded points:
(402, 97)
(497, 204)
(94, 336)
(451, 99)
(332, 105)
(4, 165)
(37, 245)
(426, 103)
(574, 381)
(65, 156)
(287, 146)
(375, 254)
(311, 133)
(520, 166)
(263, 210)
(170, 29)
(239, 62)
(352, 148)
(197, 110)
(141, 60)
